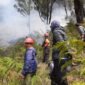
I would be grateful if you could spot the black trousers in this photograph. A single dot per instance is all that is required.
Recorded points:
(57, 75)
(46, 52)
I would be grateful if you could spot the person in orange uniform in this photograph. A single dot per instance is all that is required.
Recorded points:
(46, 48)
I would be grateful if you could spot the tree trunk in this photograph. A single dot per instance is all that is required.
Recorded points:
(79, 10)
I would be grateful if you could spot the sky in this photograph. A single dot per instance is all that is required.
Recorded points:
(13, 25)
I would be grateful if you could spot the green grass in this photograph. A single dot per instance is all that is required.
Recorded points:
(11, 62)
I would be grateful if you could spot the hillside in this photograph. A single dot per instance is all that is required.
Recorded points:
(11, 63)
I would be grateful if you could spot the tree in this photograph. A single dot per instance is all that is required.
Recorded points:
(44, 8)
(79, 10)
(78, 7)
(24, 7)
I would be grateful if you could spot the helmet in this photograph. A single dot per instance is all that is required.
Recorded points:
(55, 24)
(46, 34)
(29, 40)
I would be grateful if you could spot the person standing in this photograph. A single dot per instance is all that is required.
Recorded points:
(59, 35)
(46, 48)
(30, 63)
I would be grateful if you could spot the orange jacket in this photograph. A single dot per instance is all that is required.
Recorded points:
(46, 43)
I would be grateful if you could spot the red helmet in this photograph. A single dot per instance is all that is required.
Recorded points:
(46, 34)
(29, 40)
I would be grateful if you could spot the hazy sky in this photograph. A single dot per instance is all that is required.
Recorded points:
(13, 25)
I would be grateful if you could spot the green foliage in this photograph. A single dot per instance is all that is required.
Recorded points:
(9, 70)
(78, 83)
(39, 50)
(72, 31)
(12, 62)
(76, 49)
(10, 67)
(72, 46)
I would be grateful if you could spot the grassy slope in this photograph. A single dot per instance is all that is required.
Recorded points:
(10, 67)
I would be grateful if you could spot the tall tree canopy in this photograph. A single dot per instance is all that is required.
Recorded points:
(23, 6)
(44, 11)
(45, 7)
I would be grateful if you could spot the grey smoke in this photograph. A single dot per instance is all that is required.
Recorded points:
(13, 25)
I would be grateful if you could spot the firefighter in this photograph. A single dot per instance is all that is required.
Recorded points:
(59, 35)
(30, 63)
(46, 48)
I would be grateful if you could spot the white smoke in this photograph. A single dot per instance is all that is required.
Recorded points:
(13, 25)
